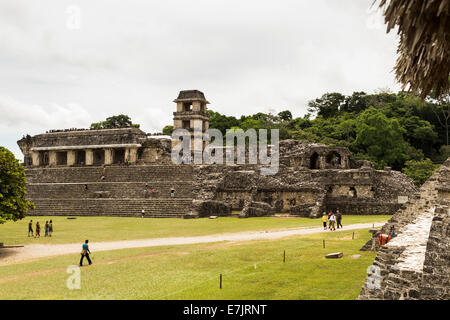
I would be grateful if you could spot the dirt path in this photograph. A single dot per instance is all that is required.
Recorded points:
(36, 251)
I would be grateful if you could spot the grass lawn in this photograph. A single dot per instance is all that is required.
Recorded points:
(116, 228)
(192, 271)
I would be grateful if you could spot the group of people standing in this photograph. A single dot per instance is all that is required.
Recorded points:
(332, 220)
(48, 229)
(146, 191)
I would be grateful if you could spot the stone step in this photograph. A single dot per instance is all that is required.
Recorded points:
(107, 190)
(112, 207)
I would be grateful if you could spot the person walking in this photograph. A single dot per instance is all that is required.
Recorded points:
(30, 228)
(338, 219)
(332, 222)
(50, 228)
(85, 253)
(172, 193)
(46, 228)
(324, 220)
(38, 230)
(329, 216)
(143, 213)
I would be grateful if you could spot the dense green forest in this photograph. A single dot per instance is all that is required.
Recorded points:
(396, 130)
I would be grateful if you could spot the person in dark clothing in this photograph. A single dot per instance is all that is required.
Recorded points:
(46, 228)
(85, 253)
(338, 219)
(50, 228)
(30, 228)
(38, 230)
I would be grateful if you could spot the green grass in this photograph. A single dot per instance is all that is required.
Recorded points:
(111, 228)
(192, 271)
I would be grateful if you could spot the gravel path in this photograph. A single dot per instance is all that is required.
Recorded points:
(36, 251)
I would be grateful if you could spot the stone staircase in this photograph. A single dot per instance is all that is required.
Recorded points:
(424, 199)
(62, 191)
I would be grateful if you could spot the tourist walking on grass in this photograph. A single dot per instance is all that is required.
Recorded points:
(30, 228)
(85, 252)
(38, 230)
(338, 219)
(324, 220)
(143, 213)
(50, 228)
(46, 228)
(332, 222)
(329, 216)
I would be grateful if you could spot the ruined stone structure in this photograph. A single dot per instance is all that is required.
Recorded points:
(82, 172)
(416, 263)
(92, 148)
(310, 180)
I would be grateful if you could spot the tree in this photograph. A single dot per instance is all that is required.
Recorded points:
(419, 171)
(442, 112)
(120, 121)
(221, 122)
(380, 138)
(167, 130)
(285, 115)
(13, 204)
(357, 102)
(328, 105)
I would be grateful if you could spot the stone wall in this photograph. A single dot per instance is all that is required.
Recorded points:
(306, 192)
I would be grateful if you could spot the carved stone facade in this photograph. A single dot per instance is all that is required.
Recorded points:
(92, 148)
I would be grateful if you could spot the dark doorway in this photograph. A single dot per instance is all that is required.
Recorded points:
(28, 161)
(119, 156)
(99, 157)
(186, 124)
(314, 161)
(352, 192)
(334, 159)
(61, 158)
(43, 158)
(80, 157)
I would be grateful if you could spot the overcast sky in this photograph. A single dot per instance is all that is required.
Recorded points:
(67, 64)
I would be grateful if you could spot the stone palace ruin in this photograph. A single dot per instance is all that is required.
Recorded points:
(120, 172)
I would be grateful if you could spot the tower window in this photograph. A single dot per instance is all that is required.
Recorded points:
(186, 124)
(187, 106)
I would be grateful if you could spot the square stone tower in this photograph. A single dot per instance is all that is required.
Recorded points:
(191, 115)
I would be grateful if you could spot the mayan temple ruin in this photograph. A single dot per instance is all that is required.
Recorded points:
(120, 172)
(416, 263)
